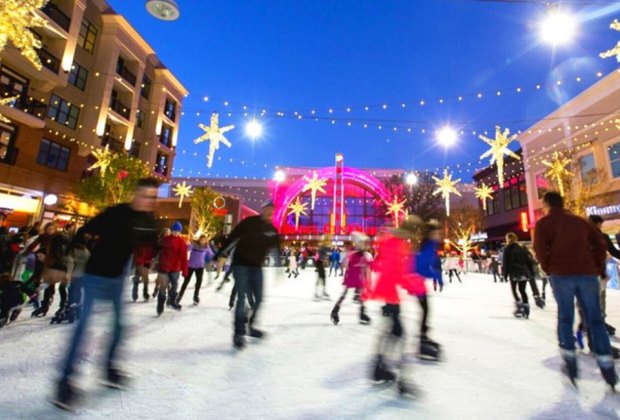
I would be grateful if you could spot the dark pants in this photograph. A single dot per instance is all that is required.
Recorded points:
(199, 272)
(320, 268)
(586, 290)
(423, 300)
(521, 297)
(96, 288)
(455, 272)
(169, 282)
(249, 282)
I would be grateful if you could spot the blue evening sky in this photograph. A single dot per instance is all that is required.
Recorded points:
(300, 55)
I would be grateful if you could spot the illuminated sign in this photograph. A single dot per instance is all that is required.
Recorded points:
(603, 211)
(19, 203)
(524, 221)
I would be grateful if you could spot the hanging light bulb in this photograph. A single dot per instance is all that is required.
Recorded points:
(163, 9)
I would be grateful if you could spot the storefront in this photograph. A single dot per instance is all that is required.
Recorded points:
(18, 207)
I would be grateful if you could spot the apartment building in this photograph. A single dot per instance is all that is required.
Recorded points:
(101, 85)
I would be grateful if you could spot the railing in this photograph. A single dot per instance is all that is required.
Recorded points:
(25, 103)
(9, 157)
(51, 10)
(127, 75)
(48, 60)
(170, 113)
(120, 108)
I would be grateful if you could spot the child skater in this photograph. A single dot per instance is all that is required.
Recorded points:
(357, 275)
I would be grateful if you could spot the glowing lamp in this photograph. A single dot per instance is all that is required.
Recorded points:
(558, 27)
(524, 221)
(279, 176)
(50, 199)
(254, 129)
(163, 9)
(411, 179)
(447, 136)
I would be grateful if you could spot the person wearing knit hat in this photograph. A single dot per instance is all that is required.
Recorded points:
(172, 263)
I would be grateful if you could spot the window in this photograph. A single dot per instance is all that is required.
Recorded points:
(614, 159)
(514, 193)
(88, 36)
(587, 167)
(63, 112)
(53, 155)
(135, 149)
(12, 84)
(78, 76)
(145, 89)
(161, 164)
(542, 185)
(140, 119)
(493, 203)
(7, 136)
(166, 136)
(170, 109)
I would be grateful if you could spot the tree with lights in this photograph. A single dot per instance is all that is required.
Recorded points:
(115, 184)
(464, 221)
(205, 219)
(17, 17)
(419, 198)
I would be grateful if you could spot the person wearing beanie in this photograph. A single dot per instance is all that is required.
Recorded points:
(172, 263)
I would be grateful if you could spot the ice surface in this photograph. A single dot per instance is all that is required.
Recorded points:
(495, 366)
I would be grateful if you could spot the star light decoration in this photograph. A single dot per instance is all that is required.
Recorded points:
(104, 159)
(615, 51)
(557, 169)
(445, 187)
(499, 148)
(395, 208)
(484, 192)
(182, 190)
(16, 19)
(297, 208)
(6, 101)
(314, 185)
(214, 134)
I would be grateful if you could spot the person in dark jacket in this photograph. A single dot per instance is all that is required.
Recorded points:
(518, 268)
(118, 230)
(252, 239)
(572, 253)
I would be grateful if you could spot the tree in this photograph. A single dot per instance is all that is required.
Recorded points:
(114, 185)
(205, 218)
(465, 220)
(420, 199)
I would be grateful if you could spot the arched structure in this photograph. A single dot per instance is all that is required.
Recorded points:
(349, 175)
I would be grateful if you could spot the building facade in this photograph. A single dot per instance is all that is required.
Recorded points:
(586, 132)
(101, 85)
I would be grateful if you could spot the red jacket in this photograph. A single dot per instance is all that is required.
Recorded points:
(567, 245)
(393, 268)
(144, 254)
(173, 255)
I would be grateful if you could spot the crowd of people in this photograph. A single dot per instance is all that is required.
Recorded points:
(92, 263)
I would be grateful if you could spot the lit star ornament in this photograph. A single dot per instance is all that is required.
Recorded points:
(557, 170)
(615, 51)
(16, 19)
(104, 159)
(445, 187)
(182, 190)
(395, 208)
(314, 185)
(483, 192)
(297, 208)
(214, 134)
(6, 101)
(499, 148)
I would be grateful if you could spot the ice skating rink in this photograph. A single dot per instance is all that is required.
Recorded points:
(184, 367)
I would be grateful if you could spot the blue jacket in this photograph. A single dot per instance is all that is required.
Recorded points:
(427, 261)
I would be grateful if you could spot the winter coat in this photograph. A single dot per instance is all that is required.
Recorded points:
(518, 263)
(173, 255)
(393, 271)
(358, 267)
(144, 254)
(253, 238)
(197, 256)
(427, 262)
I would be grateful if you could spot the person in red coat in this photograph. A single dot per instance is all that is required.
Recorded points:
(172, 263)
(143, 257)
(393, 273)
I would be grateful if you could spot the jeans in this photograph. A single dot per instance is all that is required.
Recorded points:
(333, 266)
(249, 282)
(169, 282)
(96, 288)
(586, 289)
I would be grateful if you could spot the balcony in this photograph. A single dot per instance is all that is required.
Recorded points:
(127, 75)
(8, 156)
(48, 60)
(25, 103)
(54, 13)
(120, 108)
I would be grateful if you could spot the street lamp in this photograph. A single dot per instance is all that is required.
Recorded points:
(447, 136)
(254, 129)
(163, 9)
(558, 27)
(411, 179)
(279, 176)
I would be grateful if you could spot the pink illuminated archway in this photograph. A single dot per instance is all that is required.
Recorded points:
(355, 176)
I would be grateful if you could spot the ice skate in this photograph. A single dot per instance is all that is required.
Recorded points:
(160, 305)
(66, 397)
(254, 333)
(381, 374)
(145, 295)
(325, 296)
(39, 313)
(570, 368)
(610, 376)
(519, 312)
(196, 300)
(429, 349)
(364, 319)
(405, 390)
(610, 330)
(526, 310)
(539, 302)
(116, 379)
(334, 315)
(238, 342)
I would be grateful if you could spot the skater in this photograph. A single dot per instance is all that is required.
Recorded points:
(197, 254)
(227, 268)
(572, 252)
(452, 264)
(143, 259)
(165, 232)
(118, 230)
(254, 237)
(494, 267)
(321, 261)
(334, 262)
(428, 262)
(357, 275)
(293, 268)
(518, 268)
(172, 264)
(392, 267)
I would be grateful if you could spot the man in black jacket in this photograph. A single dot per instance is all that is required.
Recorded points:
(117, 231)
(252, 239)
